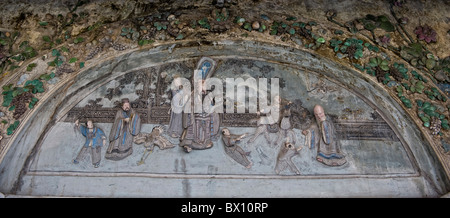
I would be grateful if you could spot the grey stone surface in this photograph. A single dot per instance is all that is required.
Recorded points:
(364, 157)
(233, 188)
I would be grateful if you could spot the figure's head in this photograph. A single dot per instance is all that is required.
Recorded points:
(319, 113)
(89, 124)
(225, 131)
(163, 74)
(176, 82)
(126, 104)
(158, 130)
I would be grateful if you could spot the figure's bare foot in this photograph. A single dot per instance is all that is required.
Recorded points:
(249, 165)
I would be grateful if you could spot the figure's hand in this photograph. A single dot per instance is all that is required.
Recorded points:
(305, 132)
(126, 119)
(77, 123)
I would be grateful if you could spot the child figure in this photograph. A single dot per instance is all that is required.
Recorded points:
(95, 139)
(233, 150)
(284, 158)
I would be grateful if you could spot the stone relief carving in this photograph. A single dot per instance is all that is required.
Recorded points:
(95, 140)
(150, 140)
(233, 150)
(322, 135)
(127, 124)
(267, 123)
(320, 87)
(284, 158)
(199, 131)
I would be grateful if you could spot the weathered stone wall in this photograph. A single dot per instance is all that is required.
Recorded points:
(48, 48)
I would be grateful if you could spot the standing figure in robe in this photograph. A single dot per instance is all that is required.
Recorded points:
(322, 134)
(178, 101)
(127, 124)
(200, 129)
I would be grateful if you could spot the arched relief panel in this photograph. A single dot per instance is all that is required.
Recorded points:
(377, 139)
(361, 130)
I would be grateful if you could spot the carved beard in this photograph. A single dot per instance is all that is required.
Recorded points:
(319, 122)
(128, 112)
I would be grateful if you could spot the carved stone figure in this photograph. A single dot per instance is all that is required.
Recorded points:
(95, 139)
(150, 140)
(200, 129)
(176, 117)
(301, 118)
(206, 67)
(233, 150)
(284, 158)
(127, 124)
(268, 123)
(286, 131)
(322, 135)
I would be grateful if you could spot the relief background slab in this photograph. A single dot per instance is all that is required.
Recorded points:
(379, 155)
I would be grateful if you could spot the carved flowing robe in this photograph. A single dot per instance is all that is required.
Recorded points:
(328, 146)
(93, 139)
(235, 151)
(200, 129)
(176, 115)
(122, 133)
(93, 144)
